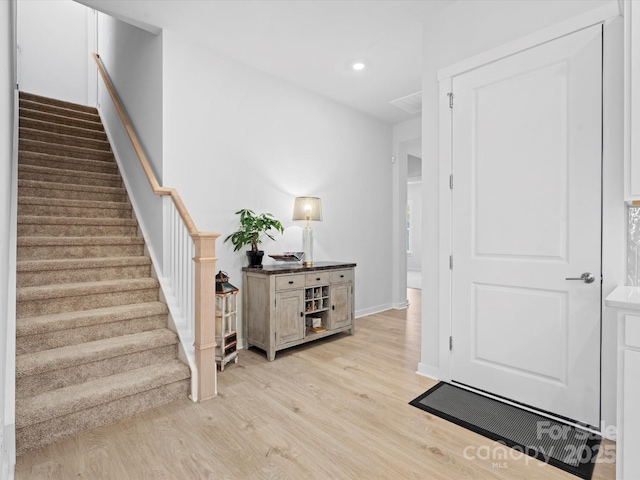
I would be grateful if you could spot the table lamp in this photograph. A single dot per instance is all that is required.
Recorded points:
(307, 208)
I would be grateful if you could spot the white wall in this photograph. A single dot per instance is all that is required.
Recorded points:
(406, 136)
(53, 59)
(7, 238)
(133, 60)
(237, 138)
(460, 31)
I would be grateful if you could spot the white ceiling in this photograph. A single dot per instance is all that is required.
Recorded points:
(310, 43)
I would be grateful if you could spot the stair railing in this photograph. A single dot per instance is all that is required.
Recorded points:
(191, 266)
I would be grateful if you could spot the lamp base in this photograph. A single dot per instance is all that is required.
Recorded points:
(307, 246)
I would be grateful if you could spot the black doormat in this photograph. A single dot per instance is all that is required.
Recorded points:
(564, 446)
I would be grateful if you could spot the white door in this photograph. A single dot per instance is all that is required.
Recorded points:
(526, 216)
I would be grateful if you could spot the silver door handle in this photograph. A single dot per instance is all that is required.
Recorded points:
(586, 277)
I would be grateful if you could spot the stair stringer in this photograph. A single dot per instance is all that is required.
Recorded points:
(177, 320)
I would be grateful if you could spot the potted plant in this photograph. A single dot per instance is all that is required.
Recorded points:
(252, 227)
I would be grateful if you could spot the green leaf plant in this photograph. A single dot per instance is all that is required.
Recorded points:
(252, 227)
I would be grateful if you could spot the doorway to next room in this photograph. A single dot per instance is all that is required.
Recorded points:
(414, 222)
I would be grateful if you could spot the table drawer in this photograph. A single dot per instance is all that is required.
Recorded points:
(317, 278)
(340, 276)
(288, 282)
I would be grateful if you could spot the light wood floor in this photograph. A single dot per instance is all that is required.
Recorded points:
(334, 409)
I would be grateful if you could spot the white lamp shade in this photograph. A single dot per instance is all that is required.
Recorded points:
(307, 208)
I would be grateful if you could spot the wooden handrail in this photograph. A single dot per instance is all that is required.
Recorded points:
(205, 261)
(144, 162)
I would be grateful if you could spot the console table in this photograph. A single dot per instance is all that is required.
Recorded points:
(282, 303)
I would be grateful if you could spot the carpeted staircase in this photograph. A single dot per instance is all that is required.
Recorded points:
(92, 343)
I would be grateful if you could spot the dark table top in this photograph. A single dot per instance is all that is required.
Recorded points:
(298, 267)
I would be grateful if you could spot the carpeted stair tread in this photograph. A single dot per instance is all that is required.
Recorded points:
(78, 335)
(31, 273)
(29, 145)
(62, 111)
(63, 401)
(57, 226)
(55, 220)
(60, 139)
(39, 435)
(60, 176)
(122, 360)
(78, 241)
(73, 203)
(71, 263)
(41, 188)
(26, 112)
(30, 294)
(73, 208)
(57, 128)
(32, 97)
(66, 163)
(71, 297)
(65, 176)
(42, 248)
(48, 172)
(72, 328)
(73, 355)
(108, 210)
(86, 318)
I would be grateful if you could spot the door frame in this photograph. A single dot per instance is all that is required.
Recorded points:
(613, 212)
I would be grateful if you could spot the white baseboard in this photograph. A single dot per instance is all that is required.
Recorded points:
(400, 305)
(428, 371)
(372, 310)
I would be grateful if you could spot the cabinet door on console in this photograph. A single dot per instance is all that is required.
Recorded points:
(289, 316)
(340, 315)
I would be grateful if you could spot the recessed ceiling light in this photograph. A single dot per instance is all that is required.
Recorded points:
(358, 66)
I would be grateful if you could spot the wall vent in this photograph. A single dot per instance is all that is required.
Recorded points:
(410, 104)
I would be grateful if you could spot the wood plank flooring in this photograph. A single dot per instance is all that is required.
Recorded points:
(333, 409)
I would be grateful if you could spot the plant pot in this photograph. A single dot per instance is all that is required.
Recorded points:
(255, 258)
